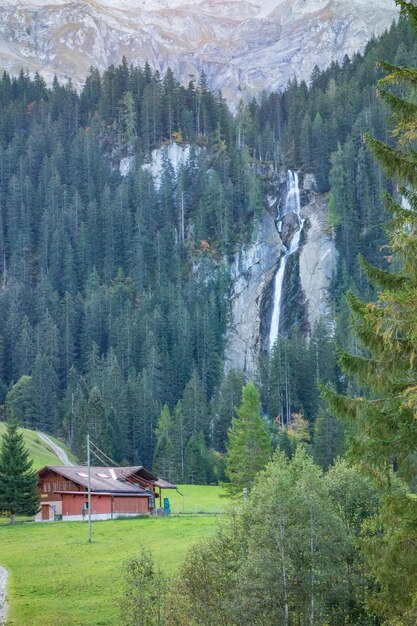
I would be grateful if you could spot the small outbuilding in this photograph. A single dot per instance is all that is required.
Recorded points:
(115, 492)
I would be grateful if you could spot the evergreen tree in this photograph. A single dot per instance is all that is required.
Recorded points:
(73, 408)
(249, 443)
(328, 438)
(386, 329)
(94, 423)
(197, 461)
(223, 404)
(194, 407)
(384, 416)
(18, 482)
(164, 456)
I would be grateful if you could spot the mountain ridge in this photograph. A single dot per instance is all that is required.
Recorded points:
(243, 46)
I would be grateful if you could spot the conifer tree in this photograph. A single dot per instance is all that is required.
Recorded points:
(164, 456)
(328, 438)
(18, 482)
(384, 418)
(194, 407)
(196, 461)
(387, 329)
(249, 443)
(223, 403)
(93, 422)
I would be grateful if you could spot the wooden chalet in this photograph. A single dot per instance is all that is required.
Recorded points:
(115, 492)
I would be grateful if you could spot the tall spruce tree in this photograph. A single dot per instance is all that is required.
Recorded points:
(164, 456)
(384, 417)
(18, 482)
(249, 443)
(387, 329)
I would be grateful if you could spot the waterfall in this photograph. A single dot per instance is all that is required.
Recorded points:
(292, 205)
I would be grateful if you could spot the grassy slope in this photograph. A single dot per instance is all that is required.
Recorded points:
(56, 577)
(40, 453)
(197, 499)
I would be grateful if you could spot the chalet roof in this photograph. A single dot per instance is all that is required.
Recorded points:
(164, 484)
(121, 494)
(108, 479)
(127, 472)
(102, 479)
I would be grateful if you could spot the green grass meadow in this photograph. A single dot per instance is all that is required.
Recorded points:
(57, 577)
(196, 499)
(40, 453)
(188, 500)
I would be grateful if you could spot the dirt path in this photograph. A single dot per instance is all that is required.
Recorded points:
(4, 607)
(61, 454)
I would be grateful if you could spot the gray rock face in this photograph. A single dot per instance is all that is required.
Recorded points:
(307, 281)
(244, 46)
(289, 225)
(252, 272)
(318, 259)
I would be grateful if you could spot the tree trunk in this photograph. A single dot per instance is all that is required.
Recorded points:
(312, 551)
(11, 518)
(284, 569)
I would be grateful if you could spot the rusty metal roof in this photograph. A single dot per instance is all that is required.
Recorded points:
(142, 494)
(127, 472)
(108, 479)
(164, 484)
(111, 479)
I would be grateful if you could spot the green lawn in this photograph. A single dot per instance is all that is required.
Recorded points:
(197, 499)
(57, 577)
(39, 451)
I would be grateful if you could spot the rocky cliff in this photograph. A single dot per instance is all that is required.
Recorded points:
(244, 46)
(308, 274)
(252, 274)
(318, 259)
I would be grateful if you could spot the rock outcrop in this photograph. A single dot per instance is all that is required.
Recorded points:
(318, 259)
(178, 155)
(252, 273)
(306, 283)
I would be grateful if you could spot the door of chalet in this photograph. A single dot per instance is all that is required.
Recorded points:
(45, 512)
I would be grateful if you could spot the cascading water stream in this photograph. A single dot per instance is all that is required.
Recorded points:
(292, 205)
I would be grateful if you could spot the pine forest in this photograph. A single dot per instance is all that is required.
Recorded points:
(124, 210)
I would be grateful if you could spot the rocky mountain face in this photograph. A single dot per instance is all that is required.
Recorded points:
(318, 260)
(243, 46)
(252, 273)
(254, 266)
(305, 293)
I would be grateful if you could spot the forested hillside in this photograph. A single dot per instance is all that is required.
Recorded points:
(114, 293)
(320, 129)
